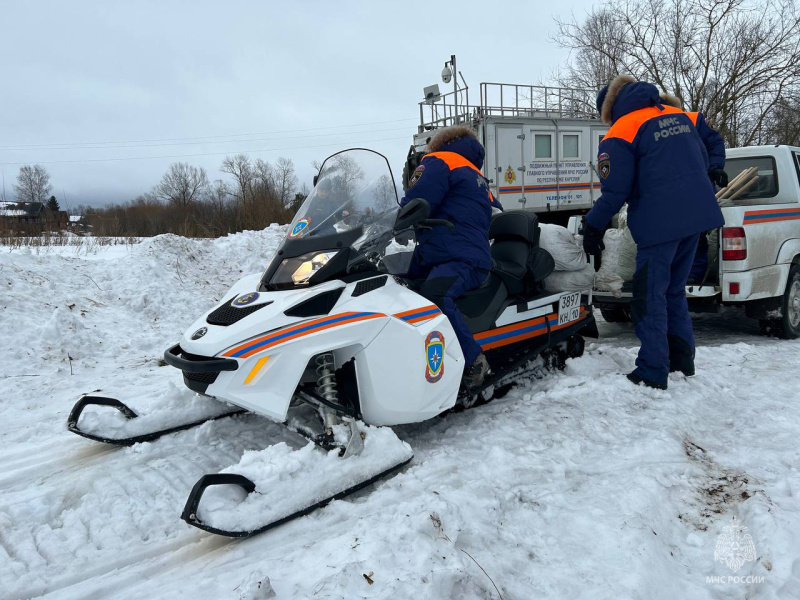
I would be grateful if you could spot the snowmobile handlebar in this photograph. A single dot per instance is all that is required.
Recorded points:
(431, 223)
(414, 215)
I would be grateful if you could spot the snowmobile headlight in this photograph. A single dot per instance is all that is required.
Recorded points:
(299, 270)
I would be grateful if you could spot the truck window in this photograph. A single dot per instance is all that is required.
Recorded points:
(570, 146)
(599, 135)
(797, 164)
(760, 184)
(543, 146)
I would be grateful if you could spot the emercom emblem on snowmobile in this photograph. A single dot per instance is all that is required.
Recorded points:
(199, 333)
(434, 352)
(299, 227)
(246, 299)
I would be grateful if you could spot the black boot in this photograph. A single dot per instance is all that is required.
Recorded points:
(681, 356)
(636, 380)
(687, 370)
(475, 373)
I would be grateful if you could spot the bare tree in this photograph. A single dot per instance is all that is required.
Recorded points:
(263, 177)
(734, 60)
(182, 185)
(285, 180)
(385, 194)
(242, 170)
(33, 184)
(220, 194)
(784, 126)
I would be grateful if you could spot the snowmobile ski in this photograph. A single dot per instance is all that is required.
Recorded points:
(129, 413)
(283, 484)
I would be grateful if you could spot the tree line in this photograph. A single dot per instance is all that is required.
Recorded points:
(185, 202)
(736, 61)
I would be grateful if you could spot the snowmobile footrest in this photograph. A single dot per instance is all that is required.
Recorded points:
(80, 405)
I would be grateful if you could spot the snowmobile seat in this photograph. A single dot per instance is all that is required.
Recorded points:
(518, 264)
(480, 307)
(515, 237)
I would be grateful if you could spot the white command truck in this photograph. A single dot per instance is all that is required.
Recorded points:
(541, 143)
(754, 260)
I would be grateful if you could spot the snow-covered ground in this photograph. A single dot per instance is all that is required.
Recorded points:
(578, 485)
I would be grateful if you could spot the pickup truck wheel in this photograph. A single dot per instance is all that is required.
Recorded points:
(616, 315)
(788, 325)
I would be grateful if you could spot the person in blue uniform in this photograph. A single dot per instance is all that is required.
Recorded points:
(453, 262)
(715, 148)
(653, 158)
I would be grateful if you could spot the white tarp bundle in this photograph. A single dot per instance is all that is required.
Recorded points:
(567, 252)
(570, 281)
(572, 273)
(607, 278)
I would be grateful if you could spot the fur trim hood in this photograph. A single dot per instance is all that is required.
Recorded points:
(614, 88)
(450, 134)
(671, 100)
(460, 139)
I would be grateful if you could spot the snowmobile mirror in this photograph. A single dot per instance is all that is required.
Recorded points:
(316, 178)
(413, 213)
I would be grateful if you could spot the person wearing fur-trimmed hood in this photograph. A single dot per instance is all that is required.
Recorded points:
(453, 262)
(653, 159)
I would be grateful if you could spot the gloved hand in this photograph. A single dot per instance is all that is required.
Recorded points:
(593, 240)
(719, 177)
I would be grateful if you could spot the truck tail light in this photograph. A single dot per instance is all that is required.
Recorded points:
(734, 243)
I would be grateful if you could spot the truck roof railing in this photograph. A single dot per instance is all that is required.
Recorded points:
(507, 100)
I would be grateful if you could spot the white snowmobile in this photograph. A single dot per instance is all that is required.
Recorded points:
(332, 341)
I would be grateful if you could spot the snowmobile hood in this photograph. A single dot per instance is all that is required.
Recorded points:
(468, 147)
(635, 96)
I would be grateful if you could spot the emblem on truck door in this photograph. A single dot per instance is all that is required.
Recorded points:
(510, 176)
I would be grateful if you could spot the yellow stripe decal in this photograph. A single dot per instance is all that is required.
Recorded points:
(261, 362)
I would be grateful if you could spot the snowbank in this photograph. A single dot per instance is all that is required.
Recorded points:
(575, 485)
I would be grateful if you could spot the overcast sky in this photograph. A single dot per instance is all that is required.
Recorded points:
(107, 94)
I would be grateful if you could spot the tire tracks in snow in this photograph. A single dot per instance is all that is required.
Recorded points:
(89, 514)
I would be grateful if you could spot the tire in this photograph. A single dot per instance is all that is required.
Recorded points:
(616, 315)
(787, 326)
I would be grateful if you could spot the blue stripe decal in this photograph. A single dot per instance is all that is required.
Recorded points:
(279, 336)
(433, 311)
(794, 213)
(515, 333)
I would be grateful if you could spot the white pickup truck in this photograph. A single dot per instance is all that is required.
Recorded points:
(758, 260)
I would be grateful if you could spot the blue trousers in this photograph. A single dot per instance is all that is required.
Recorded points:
(659, 309)
(443, 284)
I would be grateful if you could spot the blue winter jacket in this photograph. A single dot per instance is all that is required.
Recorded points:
(653, 159)
(451, 181)
(712, 140)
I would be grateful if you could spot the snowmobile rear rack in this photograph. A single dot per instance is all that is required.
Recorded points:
(189, 513)
(129, 413)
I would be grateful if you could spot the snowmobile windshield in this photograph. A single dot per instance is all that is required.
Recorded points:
(354, 189)
(345, 225)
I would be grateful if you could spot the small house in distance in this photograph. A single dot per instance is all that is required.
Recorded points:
(30, 217)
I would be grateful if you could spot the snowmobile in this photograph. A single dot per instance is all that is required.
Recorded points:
(333, 341)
